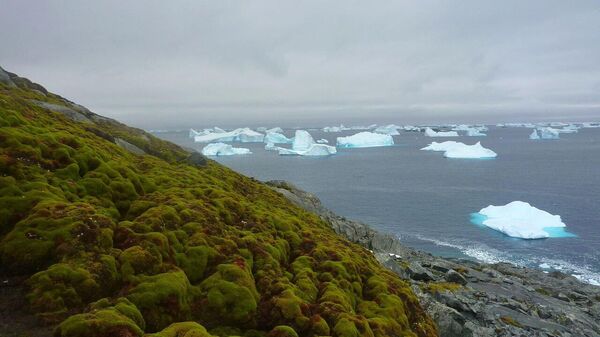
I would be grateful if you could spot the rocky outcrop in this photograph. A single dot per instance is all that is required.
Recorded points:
(467, 298)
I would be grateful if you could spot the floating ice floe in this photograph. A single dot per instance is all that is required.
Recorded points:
(590, 125)
(460, 150)
(474, 132)
(275, 129)
(345, 128)
(365, 139)
(322, 141)
(545, 133)
(521, 220)
(391, 130)
(244, 135)
(429, 132)
(304, 145)
(569, 129)
(222, 149)
(534, 135)
(335, 128)
(277, 138)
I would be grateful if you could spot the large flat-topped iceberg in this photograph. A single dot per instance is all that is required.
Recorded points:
(429, 132)
(460, 150)
(244, 135)
(304, 145)
(365, 139)
(222, 149)
(521, 220)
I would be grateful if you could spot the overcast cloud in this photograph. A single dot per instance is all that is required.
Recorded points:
(181, 63)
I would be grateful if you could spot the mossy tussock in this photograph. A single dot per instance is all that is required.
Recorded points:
(117, 244)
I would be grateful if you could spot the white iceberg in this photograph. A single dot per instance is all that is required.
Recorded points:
(430, 133)
(277, 138)
(334, 128)
(313, 150)
(521, 220)
(302, 140)
(411, 128)
(271, 147)
(569, 129)
(391, 130)
(222, 149)
(244, 135)
(460, 150)
(534, 135)
(322, 141)
(275, 129)
(365, 139)
(548, 133)
(475, 132)
(304, 145)
(590, 125)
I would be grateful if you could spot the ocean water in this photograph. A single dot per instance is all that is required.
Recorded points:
(427, 200)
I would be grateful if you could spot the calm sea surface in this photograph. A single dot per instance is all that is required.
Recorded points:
(426, 199)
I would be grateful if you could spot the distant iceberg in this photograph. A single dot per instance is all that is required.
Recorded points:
(322, 141)
(471, 131)
(411, 128)
(475, 133)
(222, 149)
(334, 128)
(275, 129)
(545, 133)
(345, 128)
(521, 220)
(304, 145)
(271, 147)
(569, 129)
(460, 150)
(277, 138)
(430, 133)
(365, 139)
(244, 135)
(391, 130)
(534, 135)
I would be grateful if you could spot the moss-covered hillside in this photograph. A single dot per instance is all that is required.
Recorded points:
(114, 241)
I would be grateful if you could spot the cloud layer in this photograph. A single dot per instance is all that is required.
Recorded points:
(157, 63)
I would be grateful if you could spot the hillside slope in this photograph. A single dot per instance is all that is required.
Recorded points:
(116, 233)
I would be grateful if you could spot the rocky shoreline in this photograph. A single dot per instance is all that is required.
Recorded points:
(467, 298)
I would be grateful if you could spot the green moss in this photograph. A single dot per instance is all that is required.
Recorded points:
(228, 296)
(84, 219)
(122, 319)
(282, 331)
(182, 329)
(162, 298)
(437, 287)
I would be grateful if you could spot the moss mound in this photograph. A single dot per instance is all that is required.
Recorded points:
(115, 243)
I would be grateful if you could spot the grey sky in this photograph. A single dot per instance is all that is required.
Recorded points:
(181, 63)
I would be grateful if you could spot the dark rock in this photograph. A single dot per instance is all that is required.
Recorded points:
(196, 159)
(456, 277)
(129, 147)
(418, 273)
(65, 110)
(5, 78)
